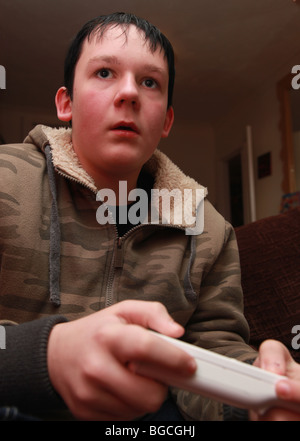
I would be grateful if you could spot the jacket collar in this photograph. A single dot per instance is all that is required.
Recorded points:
(167, 176)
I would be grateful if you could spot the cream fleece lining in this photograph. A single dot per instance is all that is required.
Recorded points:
(64, 156)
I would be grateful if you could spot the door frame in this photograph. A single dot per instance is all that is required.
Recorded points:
(249, 201)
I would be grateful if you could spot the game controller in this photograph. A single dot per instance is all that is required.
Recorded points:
(224, 379)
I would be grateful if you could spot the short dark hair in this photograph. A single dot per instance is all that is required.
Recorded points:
(153, 36)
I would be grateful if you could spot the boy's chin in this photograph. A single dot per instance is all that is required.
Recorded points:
(127, 159)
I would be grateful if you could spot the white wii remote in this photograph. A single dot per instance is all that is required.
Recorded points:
(224, 379)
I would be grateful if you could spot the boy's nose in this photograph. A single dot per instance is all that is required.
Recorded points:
(127, 92)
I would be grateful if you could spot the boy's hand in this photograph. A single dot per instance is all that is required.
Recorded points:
(89, 360)
(275, 357)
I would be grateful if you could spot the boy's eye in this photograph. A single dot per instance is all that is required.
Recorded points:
(104, 73)
(150, 83)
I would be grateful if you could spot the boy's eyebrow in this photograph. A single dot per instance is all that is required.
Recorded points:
(105, 58)
(153, 68)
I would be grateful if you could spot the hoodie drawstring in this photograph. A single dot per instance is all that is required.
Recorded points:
(187, 283)
(54, 260)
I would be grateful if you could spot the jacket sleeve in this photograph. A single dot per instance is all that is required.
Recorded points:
(218, 324)
(24, 380)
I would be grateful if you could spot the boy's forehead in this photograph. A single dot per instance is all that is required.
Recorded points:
(114, 31)
(119, 36)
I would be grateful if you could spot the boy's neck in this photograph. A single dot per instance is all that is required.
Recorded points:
(121, 186)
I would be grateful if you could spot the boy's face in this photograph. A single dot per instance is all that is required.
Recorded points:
(119, 106)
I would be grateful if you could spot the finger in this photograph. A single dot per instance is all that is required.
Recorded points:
(140, 394)
(273, 357)
(279, 415)
(103, 407)
(289, 390)
(152, 315)
(132, 343)
(116, 384)
(102, 404)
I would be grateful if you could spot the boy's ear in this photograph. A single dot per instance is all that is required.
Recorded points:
(168, 122)
(63, 104)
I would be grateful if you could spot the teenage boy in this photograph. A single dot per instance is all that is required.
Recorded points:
(108, 283)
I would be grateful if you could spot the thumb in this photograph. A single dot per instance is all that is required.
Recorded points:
(273, 356)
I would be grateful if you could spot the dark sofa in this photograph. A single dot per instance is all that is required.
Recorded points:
(270, 265)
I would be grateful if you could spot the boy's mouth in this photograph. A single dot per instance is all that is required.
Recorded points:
(126, 127)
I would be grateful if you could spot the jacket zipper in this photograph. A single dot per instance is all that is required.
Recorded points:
(118, 258)
(117, 263)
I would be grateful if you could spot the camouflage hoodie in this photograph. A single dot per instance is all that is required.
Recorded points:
(58, 262)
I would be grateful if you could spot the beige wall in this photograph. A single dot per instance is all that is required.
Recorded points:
(262, 112)
(201, 150)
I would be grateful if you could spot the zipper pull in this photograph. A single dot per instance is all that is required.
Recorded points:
(119, 253)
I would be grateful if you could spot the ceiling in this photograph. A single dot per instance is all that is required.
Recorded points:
(224, 49)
